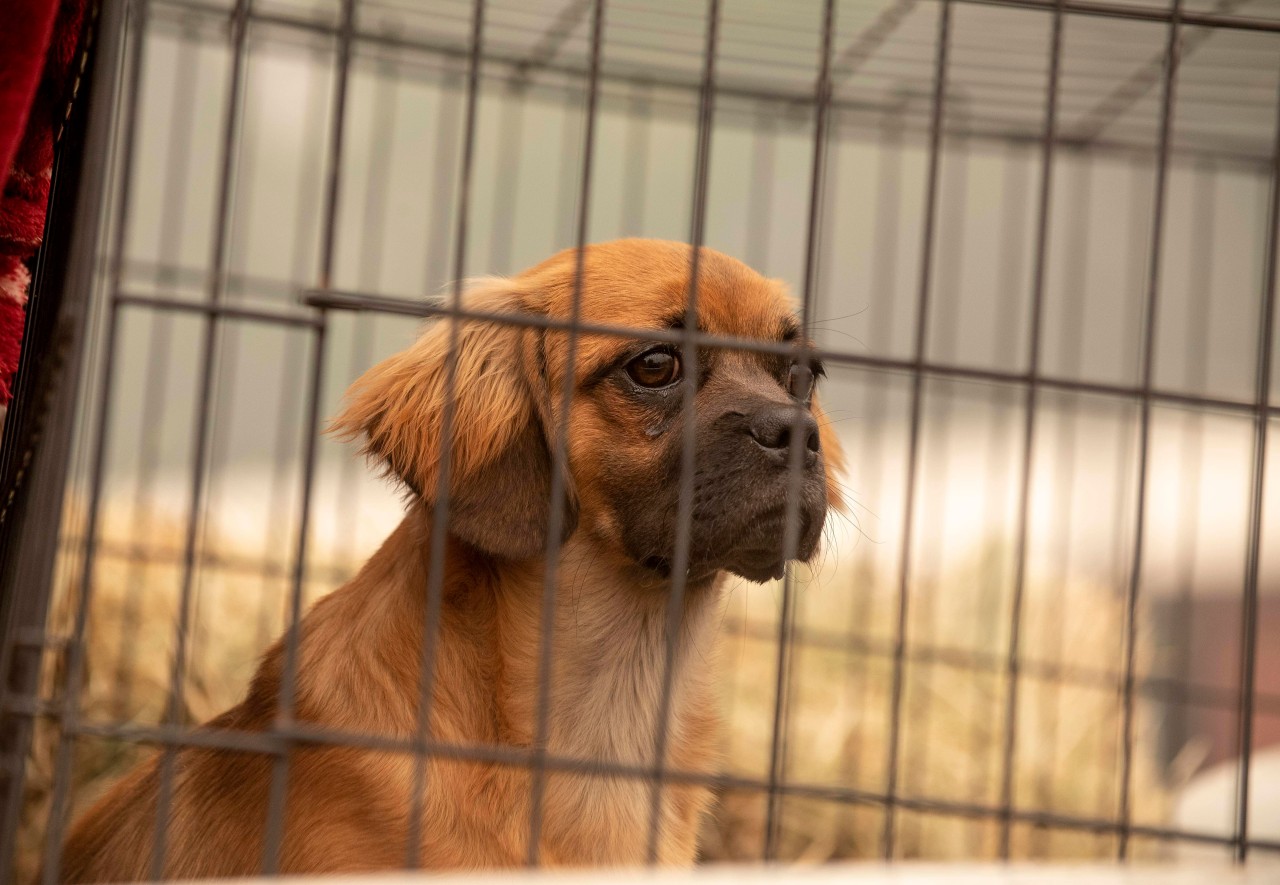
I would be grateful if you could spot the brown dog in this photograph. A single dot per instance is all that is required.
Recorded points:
(360, 648)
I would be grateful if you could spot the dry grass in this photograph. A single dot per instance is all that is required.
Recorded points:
(839, 714)
(952, 727)
(131, 642)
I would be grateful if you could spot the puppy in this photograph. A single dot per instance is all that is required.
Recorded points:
(360, 648)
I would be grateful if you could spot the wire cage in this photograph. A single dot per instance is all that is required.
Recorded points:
(1033, 240)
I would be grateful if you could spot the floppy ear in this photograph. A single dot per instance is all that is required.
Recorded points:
(499, 460)
(832, 457)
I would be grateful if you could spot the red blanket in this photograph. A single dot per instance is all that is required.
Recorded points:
(38, 72)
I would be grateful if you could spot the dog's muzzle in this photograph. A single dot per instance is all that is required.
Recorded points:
(750, 486)
(782, 517)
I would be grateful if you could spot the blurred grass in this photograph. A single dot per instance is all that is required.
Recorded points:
(954, 690)
(954, 697)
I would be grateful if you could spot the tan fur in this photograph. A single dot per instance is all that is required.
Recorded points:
(360, 648)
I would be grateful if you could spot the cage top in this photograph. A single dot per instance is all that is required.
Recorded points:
(884, 58)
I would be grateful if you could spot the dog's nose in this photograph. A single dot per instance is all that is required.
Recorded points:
(771, 427)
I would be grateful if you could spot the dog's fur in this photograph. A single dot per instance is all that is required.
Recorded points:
(360, 648)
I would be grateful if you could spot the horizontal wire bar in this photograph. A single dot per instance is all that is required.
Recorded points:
(1156, 687)
(1165, 688)
(342, 300)
(279, 741)
(225, 311)
(148, 555)
(30, 637)
(166, 274)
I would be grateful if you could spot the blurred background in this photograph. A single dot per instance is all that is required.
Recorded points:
(1126, 731)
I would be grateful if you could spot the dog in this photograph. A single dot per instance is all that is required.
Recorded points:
(360, 649)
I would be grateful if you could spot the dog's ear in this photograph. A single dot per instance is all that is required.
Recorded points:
(499, 460)
(832, 457)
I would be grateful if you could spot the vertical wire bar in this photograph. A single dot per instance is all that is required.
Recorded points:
(1138, 238)
(228, 350)
(944, 331)
(200, 455)
(688, 441)
(560, 455)
(785, 653)
(440, 508)
(288, 411)
(884, 284)
(70, 713)
(1180, 616)
(284, 715)
(797, 445)
(228, 368)
(756, 254)
(828, 279)
(1012, 663)
(1249, 615)
(1144, 430)
(913, 439)
(1076, 260)
(177, 171)
(998, 446)
(274, 835)
(70, 718)
(333, 177)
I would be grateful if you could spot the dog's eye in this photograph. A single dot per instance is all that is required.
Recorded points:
(801, 380)
(657, 368)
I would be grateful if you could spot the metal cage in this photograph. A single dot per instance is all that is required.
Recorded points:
(1034, 241)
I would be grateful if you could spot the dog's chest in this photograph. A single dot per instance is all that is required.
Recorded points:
(615, 704)
(624, 684)
(614, 813)
(610, 703)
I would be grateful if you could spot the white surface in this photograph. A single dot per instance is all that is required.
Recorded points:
(1208, 803)
(897, 874)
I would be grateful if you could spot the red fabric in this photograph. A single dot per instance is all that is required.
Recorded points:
(38, 66)
(25, 29)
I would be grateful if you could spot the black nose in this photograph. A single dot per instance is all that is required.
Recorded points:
(771, 427)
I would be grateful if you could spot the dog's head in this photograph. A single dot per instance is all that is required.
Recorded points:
(624, 429)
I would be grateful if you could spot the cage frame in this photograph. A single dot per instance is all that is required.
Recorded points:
(117, 55)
